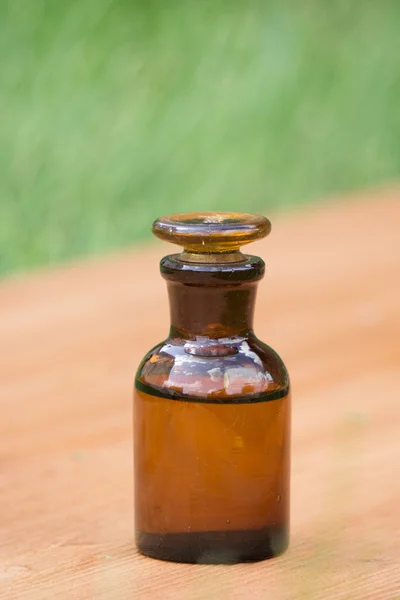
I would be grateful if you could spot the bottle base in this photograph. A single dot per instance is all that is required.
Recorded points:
(214, 547)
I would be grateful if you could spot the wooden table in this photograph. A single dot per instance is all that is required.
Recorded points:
(71, 339)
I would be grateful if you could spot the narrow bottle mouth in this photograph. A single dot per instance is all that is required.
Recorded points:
(249, 268)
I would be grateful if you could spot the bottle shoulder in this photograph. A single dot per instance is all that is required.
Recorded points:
(223, 368)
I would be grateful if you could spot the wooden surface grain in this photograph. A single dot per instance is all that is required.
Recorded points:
(71, 339)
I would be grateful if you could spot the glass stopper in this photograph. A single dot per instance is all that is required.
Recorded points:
(211, 236)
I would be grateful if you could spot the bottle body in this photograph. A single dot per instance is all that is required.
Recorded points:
(212, 451)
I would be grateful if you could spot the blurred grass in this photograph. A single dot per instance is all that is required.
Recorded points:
(114, 112)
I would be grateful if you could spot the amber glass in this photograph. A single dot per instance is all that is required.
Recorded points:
(212, 407)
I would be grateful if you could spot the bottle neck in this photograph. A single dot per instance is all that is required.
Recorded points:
(213, 311)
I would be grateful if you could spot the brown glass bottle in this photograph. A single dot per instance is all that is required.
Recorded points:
(212, 406)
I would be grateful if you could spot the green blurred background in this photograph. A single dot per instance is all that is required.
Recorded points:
(114, 112)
